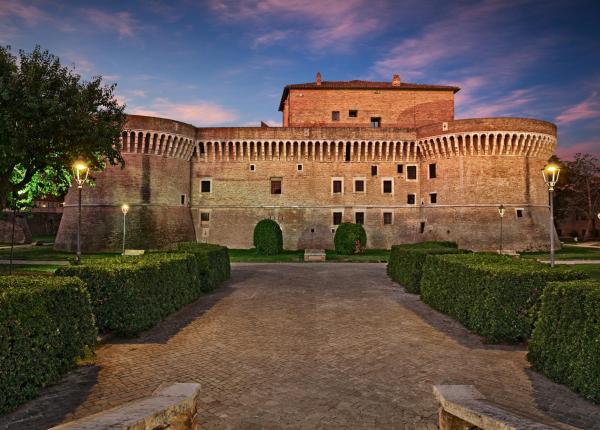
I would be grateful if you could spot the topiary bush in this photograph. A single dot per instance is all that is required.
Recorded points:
(346, 236)
(46, 323)
(268, 238)
(407, 260)
(565, 343)
(496, 296)
(132, 294)
(213, 262)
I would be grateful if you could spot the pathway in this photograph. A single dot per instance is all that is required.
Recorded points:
(308, 346)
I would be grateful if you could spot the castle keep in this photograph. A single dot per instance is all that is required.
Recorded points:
(388, 155)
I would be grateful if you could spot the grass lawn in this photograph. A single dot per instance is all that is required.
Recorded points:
(29, 269)
(592, 270)
(45, 252)
(568, 252)
(250, 256)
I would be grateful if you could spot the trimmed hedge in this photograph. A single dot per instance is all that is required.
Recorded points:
(268, 238)
(346, 236)
(406, 261)
(213, 262)
(565, 344)
(46, 323)
(132, 294)
(493, 295)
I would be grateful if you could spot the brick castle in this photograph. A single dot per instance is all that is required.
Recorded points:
(388, 155)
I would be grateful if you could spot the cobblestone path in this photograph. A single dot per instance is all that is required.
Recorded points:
(308, 346)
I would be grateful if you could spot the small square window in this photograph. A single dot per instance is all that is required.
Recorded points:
(335, 115)
(400, 168)
(411, 199)
(373, 170)
(411, 172)
(432, 172)
(336, 186)
(299, 167)
(387, 186)
(387, 218)
(519, 212)
(182, 199)
(375, 122)
(275, 186)
(353, 113)
(359, 186)
(204, 216)
(205, 186)
(359, 217)
(432, 198)
(337, 218)
(252, 167)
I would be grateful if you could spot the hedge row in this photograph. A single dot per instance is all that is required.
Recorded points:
(268, 237)
(132, 294)
(565, 344)
(346, 236)
(213, 262)
(493, 295)
(406, 261)
(45, 324)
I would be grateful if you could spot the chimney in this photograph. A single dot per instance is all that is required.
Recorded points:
(396, 80)
(318, 78)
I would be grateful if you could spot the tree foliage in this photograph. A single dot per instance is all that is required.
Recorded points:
(578, 190)
(49, 118)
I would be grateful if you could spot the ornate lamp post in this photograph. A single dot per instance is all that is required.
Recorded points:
(550, 174)
(501, 211)
(80, 172)
(124, 209)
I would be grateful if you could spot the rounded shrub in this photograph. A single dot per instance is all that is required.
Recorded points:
(349, 238)
(268, 238)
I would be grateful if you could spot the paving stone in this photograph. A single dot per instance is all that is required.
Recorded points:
(308, 346)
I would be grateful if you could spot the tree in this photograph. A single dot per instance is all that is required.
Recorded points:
(579, 189)
(49, 118)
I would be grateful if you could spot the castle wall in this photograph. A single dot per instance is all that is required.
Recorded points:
(479, 165)
(396, 108)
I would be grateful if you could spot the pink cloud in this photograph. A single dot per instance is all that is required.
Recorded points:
(122, 22)
(28, 13)
(197, 113)
(587, 109)
(332, 24)
(514, 102)
(568, 152)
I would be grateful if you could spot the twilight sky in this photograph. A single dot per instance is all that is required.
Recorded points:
(225, 62)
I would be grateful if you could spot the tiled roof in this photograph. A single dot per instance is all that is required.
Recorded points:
(361, 85)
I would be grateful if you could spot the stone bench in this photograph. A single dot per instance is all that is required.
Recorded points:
(172, 408)
(462, 407)
(134, 252)
(314, 255)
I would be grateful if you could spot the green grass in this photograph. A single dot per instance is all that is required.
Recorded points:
(568, 252)
(45, 252)
(367, 256)
(592, 270)
(43, 238)
(251, 256)
(28, 269)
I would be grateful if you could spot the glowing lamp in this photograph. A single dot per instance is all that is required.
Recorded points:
(80, 172)
(550, 174)
(125, 209)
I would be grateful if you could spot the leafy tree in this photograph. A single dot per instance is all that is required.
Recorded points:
(49, 118)
(578, 191)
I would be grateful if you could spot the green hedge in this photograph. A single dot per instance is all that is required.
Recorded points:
(268, 238)
(131, 294)
(213, 262)
(346, 236)
(565, 344)
(45, 324)
(493, 295)
(407, 260)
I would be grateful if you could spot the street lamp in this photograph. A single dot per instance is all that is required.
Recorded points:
(124, 209)
(550, 174)
(501, 211)
(80, 172)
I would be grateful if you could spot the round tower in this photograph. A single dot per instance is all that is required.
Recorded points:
(154, 182)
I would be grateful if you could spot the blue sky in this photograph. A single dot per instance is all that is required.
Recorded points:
(225, 62)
